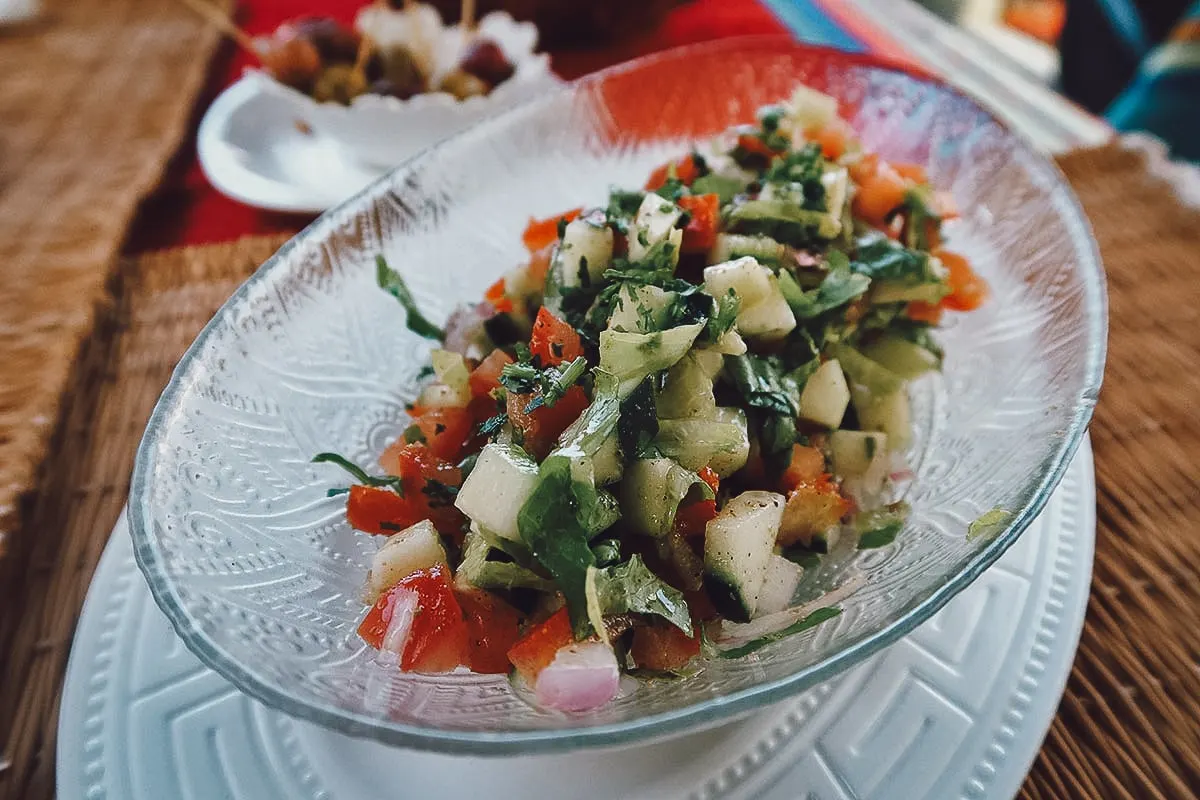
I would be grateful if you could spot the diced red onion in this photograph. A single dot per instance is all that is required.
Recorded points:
(582, 676)
(465, 326)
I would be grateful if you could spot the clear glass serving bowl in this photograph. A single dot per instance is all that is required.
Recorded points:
(257, 568)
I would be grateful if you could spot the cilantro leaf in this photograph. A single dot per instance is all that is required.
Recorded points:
(393, 283)
(632, 588)
(762, 384)
(359, 474)
(878, 527)
(839, 287)
(638, 424)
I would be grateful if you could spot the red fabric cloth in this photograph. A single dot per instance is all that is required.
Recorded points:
(186, 210)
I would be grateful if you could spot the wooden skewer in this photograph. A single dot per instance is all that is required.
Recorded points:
(223, 23)
(468, 15)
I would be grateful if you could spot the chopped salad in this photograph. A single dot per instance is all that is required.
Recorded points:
(626, 456)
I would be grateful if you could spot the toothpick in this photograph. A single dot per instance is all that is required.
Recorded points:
(365, 46)
(468, 15)
(223, 23)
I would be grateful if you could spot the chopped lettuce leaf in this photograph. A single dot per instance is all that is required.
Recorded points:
(631, 588)
(393, 283)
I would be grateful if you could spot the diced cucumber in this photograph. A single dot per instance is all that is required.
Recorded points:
(585, 245)
(640, 309)
(825, 395)
(807, 109)
(883, 291)
(779, 586)
(481, 568)
(721, 443)
(764, 312)
(781, 210)
(723, 186)
(862, 371)
(904, 358)
(651, 492)
(748, 279)
(862, 455)
(500, 483)
(607, 463)
(768, 319)
(732, 246)
(824, 541)
(654, 224)
(451, 369)
(710, 359)
(890, 414)
(738, 544)
(687, 392)
(439, 395)
(630, 357)
(836, 181)
(416, 547)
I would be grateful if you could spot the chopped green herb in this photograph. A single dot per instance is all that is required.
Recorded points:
(440, 494)
(413, 434)
(359, 474)
(638, 424)
(393, 283)
(811, 621)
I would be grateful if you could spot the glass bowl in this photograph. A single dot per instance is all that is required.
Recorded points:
(257, 568)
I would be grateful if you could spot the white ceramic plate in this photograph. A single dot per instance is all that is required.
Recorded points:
(957, 709)
(252, 150)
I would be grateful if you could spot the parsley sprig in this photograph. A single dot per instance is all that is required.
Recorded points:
(359, 474)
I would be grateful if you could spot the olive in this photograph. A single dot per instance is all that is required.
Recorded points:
(485, 60)
(462, 85)
(402, 69)
(339, 83)
(336, 43)
(290, 60)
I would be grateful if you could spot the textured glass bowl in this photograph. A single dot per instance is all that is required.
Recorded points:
(259, 571)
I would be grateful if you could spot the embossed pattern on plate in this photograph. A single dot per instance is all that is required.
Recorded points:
(956, 709)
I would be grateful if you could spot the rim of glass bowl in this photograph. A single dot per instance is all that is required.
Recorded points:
(703, 713)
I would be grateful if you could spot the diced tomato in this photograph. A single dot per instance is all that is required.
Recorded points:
(700, 605)
(537, 648)
(437, 641)
(686, 171)
(863, 169)
(380, 511)
(540, 233)
(913, 172)
(879, 195)
(496, 295)
(539, 264)
(812, 507)
(446, 431)
(711, 478)
(554, 340)
(416, 465)
(691, 519)
(485, 378)
(752, 144)
(493, 627)
(701, 232)
(663, 647)
(920, 311)
(542, 426)
(833, 138)
(808, 464)
(967, 289)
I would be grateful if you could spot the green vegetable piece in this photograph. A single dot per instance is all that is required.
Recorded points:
(393, 283)
(631, 588)
(988, 524)
(862, 371)
(633, 356)
(839, 287)
(359, 474)
(878, 527)
(724, 186)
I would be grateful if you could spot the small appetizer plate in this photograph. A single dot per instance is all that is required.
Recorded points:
(254, 148)
(956, 709)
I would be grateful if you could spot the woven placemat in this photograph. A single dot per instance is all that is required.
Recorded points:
(1127, 727)
(94, 99)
